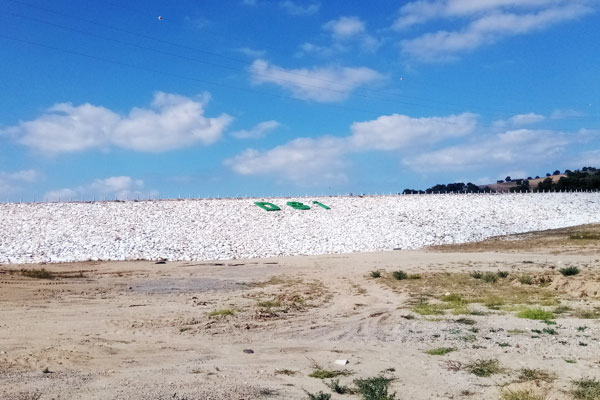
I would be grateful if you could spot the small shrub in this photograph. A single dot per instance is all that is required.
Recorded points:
(335, 386)
(320, 373)
(502, 274)
(318, 396)
(535, 374)
(375, 274)
(476, 274)
(521, 394)
(224, 312)
(535, 313)
(440, 351)
(525, 280)
(484, 368)
(586, 389)
(570, 360)
(569, 271)
(399, 275)
(490, 277)
(375, 388)
(549, 331)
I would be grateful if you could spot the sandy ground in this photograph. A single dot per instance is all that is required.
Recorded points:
(251, 329)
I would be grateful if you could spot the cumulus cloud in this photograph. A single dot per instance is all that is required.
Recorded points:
(346, 33)
(321, 160)
(517, 148)
(393, 132)
(10, 182)
(171, 122)
(345, 27)
(115, 187)
(526, 119)
(300, 8)
(258, 131)
(521, 120)
(483, 22)
(325, 84)
(304, 161)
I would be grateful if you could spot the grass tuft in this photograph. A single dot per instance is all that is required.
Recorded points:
(586, 389)
(525, 280)
(269, 304)
(535, 374)
(335, 386)
(484, 368)
(285, 371)
(318, 396)
(375, 274)
(521, 394)
(224, 312)
(569, 271)
(440, 351)
(320, 373)
(502, 274)
(535, 313)
(428, 309)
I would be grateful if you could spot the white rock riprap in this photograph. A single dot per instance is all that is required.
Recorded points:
(236, 228)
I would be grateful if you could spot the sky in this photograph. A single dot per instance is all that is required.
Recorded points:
(106, 99)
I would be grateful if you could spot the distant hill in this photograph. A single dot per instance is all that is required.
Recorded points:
(588, 178)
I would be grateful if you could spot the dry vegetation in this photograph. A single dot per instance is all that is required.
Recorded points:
(520, 323)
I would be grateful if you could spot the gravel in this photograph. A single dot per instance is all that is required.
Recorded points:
(211, 229)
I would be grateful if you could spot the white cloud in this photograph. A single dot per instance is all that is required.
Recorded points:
(115, 187)
(260, 130)
(565, 114)
(252, 53)
(485, 22)
(325, 84)
(590, 158)
(300, 8)
(10, 182)
(520, 120)
(345, 27)
(304, 161)
(526, 119)
(515, 148)
(171, 122)
(314, 161)
(393, 132)
(321, 51)
(345, 32)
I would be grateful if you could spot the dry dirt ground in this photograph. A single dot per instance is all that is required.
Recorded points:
(254, 329)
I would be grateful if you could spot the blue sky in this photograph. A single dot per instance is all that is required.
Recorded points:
(261, 98)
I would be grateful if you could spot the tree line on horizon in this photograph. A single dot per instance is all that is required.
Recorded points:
(588, 178)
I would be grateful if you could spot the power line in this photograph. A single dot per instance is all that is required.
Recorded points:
(396, 99)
